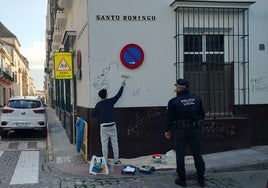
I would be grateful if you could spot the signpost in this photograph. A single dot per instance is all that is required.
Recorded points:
(63, 65)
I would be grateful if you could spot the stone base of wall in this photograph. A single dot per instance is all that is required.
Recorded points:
(259, 122)
(140, 132)
(223, 134)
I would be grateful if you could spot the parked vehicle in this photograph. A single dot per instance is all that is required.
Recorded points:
(23, 112)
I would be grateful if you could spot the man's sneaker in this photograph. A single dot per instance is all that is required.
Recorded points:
(117, 162)
(109, 163)
(201, 182)
(180, 182)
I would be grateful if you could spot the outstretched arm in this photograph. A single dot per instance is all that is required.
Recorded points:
(119, 93)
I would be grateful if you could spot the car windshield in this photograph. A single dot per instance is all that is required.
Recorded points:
(24, 104)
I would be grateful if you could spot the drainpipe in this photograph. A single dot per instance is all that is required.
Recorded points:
(88, 47)
(72, 102)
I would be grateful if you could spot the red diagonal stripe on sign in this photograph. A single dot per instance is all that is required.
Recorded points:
(132, 55)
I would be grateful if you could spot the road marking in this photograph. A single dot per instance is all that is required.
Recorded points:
(1, 152)
(22, 145)
(26, 171)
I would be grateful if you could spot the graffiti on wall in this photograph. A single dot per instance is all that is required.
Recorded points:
(217, 130)
(209, 130)
(103, 79)
(151, 93)
(259, 84)
(139, 122)
(136, 92)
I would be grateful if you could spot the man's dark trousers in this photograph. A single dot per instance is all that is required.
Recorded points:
(182, 136)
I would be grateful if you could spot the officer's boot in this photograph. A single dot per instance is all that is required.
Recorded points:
(201, 181)
(181, 181)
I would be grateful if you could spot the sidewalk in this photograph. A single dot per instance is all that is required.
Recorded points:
(66, 159)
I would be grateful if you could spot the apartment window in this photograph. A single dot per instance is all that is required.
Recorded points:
(15, 76)
(202, 49)
(212, 53)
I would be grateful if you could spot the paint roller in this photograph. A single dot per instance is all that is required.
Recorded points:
(124, 76)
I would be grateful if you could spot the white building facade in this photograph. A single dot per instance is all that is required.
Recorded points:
(216, 45)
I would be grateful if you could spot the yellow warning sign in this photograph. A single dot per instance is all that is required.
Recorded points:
(63, 65)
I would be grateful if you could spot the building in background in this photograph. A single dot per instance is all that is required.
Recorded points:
(214, 44)
(15, 78)
(6, 78)
(32, 88)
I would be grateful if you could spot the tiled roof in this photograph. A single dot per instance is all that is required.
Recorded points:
(4, 32)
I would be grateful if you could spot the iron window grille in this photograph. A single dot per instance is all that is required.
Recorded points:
(212, 52)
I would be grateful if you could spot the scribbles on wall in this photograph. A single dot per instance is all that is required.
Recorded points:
(102, 80)
(259, 84)
(141, 120)
(217, 130)
(136, 92)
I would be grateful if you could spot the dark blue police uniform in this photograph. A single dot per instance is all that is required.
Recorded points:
(185, 114)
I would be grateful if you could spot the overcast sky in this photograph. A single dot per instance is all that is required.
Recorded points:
(27, 20)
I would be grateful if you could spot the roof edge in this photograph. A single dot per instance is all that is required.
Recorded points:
(212, 4)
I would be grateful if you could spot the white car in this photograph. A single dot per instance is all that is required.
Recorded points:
(23, 112)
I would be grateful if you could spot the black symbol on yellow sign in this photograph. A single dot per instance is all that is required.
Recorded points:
(63, 66)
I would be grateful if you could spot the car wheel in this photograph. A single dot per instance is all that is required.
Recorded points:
(44, 132)
(3, 134)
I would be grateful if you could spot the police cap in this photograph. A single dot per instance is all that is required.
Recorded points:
(182, 83)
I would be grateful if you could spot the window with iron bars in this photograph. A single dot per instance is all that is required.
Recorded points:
(212, 53)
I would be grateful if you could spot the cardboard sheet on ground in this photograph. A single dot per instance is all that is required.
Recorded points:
(168, 161)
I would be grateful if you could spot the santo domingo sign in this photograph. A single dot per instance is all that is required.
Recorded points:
(63, 65)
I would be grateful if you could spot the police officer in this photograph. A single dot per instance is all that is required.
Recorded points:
(185, 113)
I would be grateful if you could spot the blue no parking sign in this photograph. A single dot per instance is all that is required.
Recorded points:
(132, 56)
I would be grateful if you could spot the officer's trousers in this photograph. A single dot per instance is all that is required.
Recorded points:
(182, 136)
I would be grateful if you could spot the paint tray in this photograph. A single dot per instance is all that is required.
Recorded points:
(145, 169)
(129, 170)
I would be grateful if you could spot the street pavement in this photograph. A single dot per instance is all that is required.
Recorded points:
(67, 168)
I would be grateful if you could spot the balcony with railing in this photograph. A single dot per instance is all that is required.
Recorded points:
(6, 77)
(57, 36)
(65, 3)
(60, 18)
(55, 46)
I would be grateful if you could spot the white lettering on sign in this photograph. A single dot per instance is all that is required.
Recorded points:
(108, 17)
(125, 18)
(139, 18)
(187, 102)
